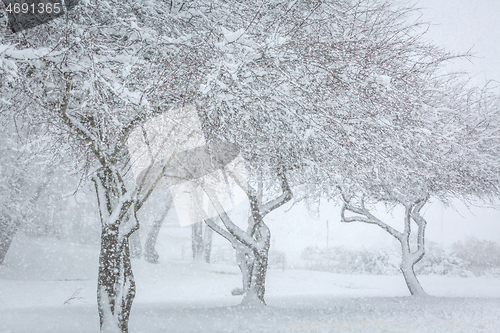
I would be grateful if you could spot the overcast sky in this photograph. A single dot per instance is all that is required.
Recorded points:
(460, 25)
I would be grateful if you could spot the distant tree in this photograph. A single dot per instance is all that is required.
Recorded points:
(150, 254)
(201, 241)
(26, 179)
(252, 245)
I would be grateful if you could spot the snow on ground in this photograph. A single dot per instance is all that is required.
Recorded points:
(56, 293)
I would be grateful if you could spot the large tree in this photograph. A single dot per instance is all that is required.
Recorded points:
(388, 125)
(91, 77)
(452, 156)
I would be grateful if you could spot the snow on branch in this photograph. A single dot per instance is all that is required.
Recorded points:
(232, 228)
(279, 201)
(421, 222)
(363, 215)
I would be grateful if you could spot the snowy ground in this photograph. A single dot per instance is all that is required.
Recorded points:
(57, 295)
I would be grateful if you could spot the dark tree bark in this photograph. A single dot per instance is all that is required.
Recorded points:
(245, 259)
(259, 270)
(8, 230)
(253, 260)
(115, 283)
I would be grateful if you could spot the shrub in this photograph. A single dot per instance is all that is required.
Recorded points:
(482, 256)
(438, 261)
(345, 261)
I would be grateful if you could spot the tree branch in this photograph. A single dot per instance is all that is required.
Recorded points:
(421, 222)
(210, 222)
(279, 201)
(233, 229)
(367, 218)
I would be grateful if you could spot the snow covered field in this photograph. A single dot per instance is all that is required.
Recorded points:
(56, 293)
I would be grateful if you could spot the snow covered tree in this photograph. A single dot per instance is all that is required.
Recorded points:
(443, 162)
(306, 90)
(359, 96)
(244, 101)
(412, 213)
(252, 245)
(401, 131)
(93, 76)
(325, 88)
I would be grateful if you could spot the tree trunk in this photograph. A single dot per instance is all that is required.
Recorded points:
(407, 268)
(115, 285)
(197, 241)
(253, 264)
(411, 280)
(409, 258)
(150, 253)
(245, 260)
(207, 243)
(135, 245)
(8, 230)
(252, 246)
(115, 282)
(257, 287)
